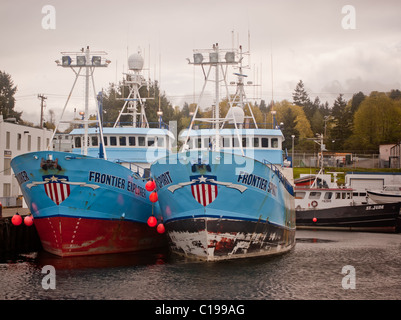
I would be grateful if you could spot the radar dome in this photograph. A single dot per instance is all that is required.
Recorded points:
(135, 62)
(235, 113)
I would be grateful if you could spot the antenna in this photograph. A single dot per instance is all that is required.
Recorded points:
(76, 61)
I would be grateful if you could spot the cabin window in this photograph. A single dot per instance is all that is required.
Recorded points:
(19, 138)
(300, 195)
(328, 195)
(235, 142)
(77, 142)
(160, 142)
(131, 141)
(226, 142)
(256, 142)
(105, 140)
(123, 141)
(314, 195)
(265, 142)
(274, 143)
(338, 195)
(245, 142)
(113, 141)
(206, 143)
(94, 141)
(141, 141)
(197, 143)
(151, 142)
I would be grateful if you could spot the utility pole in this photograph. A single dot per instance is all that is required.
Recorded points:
(42, 98)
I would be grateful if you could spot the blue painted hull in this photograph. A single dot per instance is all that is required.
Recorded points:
(219, 205)
(83, 205)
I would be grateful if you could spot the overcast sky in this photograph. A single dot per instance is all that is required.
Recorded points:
(331, 51)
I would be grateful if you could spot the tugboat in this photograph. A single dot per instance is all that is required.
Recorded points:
(94, 200)
(227, 193)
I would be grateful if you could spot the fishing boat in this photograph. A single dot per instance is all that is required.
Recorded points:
(321, 204)
(226, 194)
(94, 200)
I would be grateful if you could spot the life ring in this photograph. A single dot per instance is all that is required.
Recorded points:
(314, 203)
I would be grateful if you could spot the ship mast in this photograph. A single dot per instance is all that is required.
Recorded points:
(135, 80)
(217, 61)
(76, 61)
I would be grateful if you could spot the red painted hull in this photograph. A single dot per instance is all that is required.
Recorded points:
(66, 236)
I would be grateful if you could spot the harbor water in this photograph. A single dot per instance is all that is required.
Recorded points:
(323, 265)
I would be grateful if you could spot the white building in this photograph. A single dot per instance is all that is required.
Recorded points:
(17, 139)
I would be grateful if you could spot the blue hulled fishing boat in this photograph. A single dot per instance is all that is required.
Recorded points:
(93, 200)
(227, 193)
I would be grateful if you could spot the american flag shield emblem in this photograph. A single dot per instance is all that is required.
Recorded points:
(56, 189)
(204, 191)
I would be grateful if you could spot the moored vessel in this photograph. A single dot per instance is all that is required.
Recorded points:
(94, 200)
(226, 194)
(322, 204)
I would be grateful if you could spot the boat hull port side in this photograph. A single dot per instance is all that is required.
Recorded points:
(364, 218)
(79, 211)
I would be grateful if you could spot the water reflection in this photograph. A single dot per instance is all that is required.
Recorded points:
(311, 271)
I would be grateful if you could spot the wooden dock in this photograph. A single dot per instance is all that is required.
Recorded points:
(17, 239)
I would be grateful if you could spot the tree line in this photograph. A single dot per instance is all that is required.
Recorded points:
(360, 124)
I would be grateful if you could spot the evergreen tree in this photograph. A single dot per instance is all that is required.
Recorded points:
(342, 122)
(357, 98)
(395, 94)
(300, 96)
(7, 100)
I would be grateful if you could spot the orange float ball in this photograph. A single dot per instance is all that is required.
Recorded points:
(153, 197)
(150, 185)
(152, 221)
(160, 228)
(16, 219)
(28, 220)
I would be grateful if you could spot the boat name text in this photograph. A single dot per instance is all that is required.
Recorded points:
(22, 177)
(163, 180)
(379, 207)
(257, 182)
(116, 182)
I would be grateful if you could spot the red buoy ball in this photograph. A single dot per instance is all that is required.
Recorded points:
(16, 219)
(160, 228)
(153, 197)
(150, 185)
(314, 219)
(152, 221)
(28, 220)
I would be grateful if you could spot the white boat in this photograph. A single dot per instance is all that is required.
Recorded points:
(388, 194)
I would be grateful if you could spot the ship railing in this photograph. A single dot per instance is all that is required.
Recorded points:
(245, 125)
(158, 124)
(137, 170)
(280, 175)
